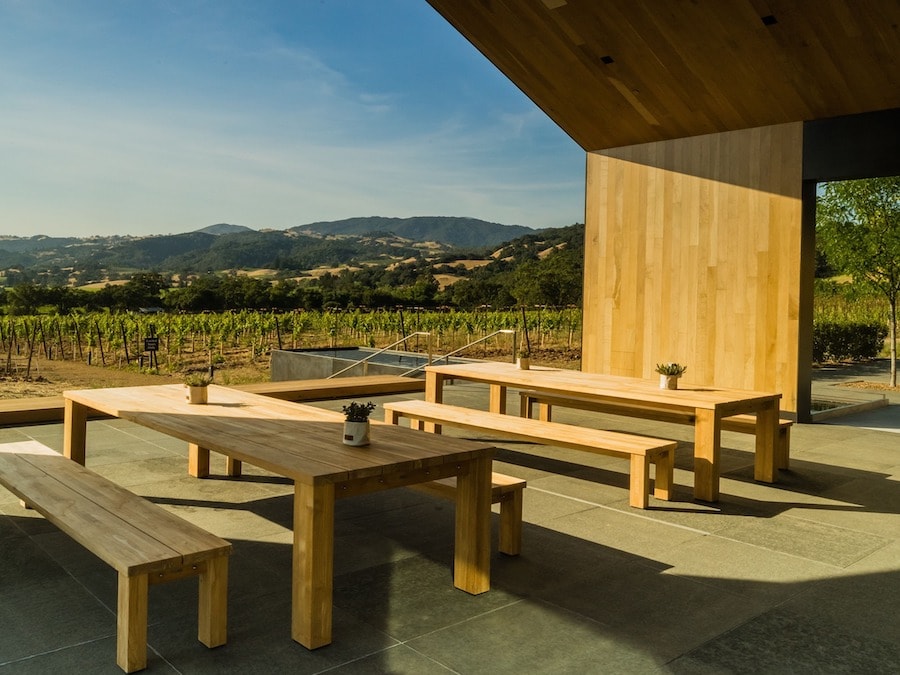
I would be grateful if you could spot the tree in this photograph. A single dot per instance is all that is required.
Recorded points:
(858, 226)
(554, 280)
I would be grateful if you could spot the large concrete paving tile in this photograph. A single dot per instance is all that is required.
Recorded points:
(259, 641)
(807, 539)
(632, 531)
(412, 597)
(862, 599)
(391, 661)
(744, 569)
(537, 637)
(781, 641)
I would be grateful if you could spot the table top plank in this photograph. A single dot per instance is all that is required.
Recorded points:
(600, 386)
(299, 441)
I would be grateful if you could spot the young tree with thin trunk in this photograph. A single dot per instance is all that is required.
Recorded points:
(858, 228)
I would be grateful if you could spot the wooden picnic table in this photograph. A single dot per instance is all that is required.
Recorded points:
(709, 405)
(304, 443)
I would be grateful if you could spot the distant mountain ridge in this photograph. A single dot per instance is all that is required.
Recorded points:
(350, 242)
(455, 231)
(224, 228)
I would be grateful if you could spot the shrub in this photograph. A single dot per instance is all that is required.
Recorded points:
(847, 341)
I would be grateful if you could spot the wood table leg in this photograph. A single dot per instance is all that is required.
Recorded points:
(472, 554)
(434, 387)
(497, 401)
(313, 581)
(198, 461)
(707, 446)
(434, 393)
(766, 444)
(74, 431)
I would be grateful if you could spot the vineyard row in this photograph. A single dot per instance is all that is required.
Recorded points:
(107, 339)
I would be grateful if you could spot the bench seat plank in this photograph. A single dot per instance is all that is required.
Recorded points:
(35, 410)
(143, 542)
(337, 387)
(639, 450)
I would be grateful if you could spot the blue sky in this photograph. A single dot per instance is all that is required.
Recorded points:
(162, 116)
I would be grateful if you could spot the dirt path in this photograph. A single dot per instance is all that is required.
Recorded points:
(52, 377)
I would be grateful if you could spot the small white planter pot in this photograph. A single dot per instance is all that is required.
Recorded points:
(356, 433)
(197, 395)
(668, 382)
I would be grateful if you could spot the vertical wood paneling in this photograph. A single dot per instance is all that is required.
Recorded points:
(692, 255)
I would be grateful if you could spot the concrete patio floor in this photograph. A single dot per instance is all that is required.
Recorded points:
(798, 577)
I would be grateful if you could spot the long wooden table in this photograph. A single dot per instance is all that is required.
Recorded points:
(708, 404)
(304, 444)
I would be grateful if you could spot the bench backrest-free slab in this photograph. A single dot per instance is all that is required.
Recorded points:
(143, 542)
(337, 387)
(34, 410)
(641, 451)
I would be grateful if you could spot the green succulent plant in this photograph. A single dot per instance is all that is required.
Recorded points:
(670, 369)
(358, 412)
(197, 379)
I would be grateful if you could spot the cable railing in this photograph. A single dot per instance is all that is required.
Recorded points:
(382, 350)
(446, 357)
(430, 358)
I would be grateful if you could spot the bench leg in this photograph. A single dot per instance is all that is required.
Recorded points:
(212, 614)
(525, 406)
(544, 412)
(74, 431)
(198, 461)
(511, 523)
(232, 467)
(665, 475)
(131, 623)
(639, 490)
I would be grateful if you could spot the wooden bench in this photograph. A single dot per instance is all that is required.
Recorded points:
(639, 450)
(506, 491)
(39, 410)
(336, 387)
(143, 542)
(745, 424)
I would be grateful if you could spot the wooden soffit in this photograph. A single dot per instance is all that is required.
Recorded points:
(619, 72)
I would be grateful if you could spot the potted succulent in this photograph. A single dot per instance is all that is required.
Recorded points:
(523, 360)
(356, 423)
(669, 374)
(196, 385)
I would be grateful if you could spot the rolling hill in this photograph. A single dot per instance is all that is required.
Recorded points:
(459, 232)
(356, 241)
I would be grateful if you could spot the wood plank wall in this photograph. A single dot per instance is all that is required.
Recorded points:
(692, 254)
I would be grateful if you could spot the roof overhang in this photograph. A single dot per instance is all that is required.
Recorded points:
(619, 72)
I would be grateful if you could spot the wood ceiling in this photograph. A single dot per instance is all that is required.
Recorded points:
(613, 73)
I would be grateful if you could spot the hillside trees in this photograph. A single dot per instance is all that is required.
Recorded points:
(554, 280)
(858, 228)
